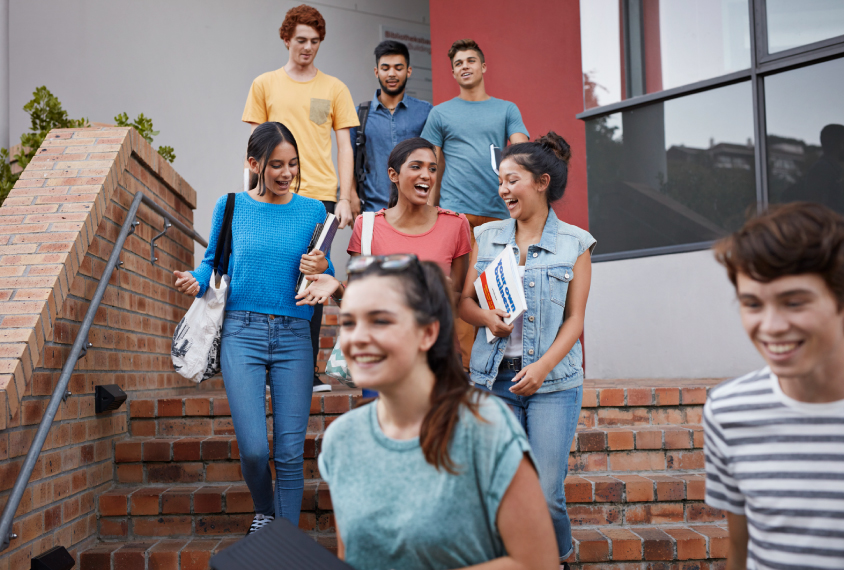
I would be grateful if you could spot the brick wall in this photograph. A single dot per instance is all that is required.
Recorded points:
(57, 228)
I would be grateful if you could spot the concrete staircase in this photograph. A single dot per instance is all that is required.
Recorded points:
(635, 487)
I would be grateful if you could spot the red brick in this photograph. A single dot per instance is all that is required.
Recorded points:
(143, 428)
(690, 545)
(114, 503)
(215, 449)
(702, 513)
(165, 555)
(217, 472)
(221, 407)
(677, 438)
(142, 408)
(657, 544)
(591, 440)
(640, 396)
(176, 501)
(667, 396)
(625, 544)
(578, 490)
(607, 489)
(637, 461)
(719, 540)
(113, 528)
(693, 396)
(132, 556)
(239, 500)
(622, 417)
(197, 554)
(619, 439)
(695, 487)
(654, 513)
(685, 460)
(99, 557)
(223, 426)
(175, 473)
(336, 404)
(208, 500)
(187, 450)
(197, 407)
(169, 407)
(669, 488)
(184, 427)
(611, 397)
(130, 473)
(590, 398)
(648, 439)
(582, 515)
(637, 488)
(127, 451)
(162, 526)
(157, 450)
(145, 501)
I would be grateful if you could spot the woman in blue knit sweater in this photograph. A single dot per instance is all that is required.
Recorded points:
(264, 330)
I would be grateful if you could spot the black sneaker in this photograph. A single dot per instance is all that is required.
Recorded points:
(259, 522)
(320, 386)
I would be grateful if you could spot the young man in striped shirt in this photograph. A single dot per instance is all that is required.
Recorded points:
(774, 439)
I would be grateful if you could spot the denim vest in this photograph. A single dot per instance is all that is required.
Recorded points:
(548, 271)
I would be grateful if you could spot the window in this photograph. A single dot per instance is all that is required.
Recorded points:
(697, 111)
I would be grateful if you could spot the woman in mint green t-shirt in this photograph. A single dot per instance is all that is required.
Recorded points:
(432, 474)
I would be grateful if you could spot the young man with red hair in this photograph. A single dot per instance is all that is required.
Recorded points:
(311, 104)
(773, 438)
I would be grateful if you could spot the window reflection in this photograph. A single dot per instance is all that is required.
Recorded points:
(792, 24)
(805, 133)
(672, 173)
(633, 47)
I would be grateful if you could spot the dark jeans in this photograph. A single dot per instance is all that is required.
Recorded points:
(316, 320)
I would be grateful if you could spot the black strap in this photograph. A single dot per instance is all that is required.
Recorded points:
(224, 239)
(360, 147)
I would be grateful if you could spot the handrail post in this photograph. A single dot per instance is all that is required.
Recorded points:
(60, 390)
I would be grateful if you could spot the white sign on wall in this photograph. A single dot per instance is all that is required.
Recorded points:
(419, 45)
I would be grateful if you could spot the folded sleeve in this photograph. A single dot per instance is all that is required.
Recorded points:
(514, 122)
(256, 104)
(345, 114)
(432, 132)
(722, 491)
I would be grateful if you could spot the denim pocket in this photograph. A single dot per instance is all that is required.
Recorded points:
(558, 283)
(232, 326)
(300, 327)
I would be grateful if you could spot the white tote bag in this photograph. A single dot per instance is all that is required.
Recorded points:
(196, 343)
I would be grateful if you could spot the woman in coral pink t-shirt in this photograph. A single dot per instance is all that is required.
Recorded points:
(409, 225)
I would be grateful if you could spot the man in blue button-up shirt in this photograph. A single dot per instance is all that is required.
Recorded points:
(393, 117)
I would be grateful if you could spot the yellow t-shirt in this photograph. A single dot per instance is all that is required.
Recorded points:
(310, 109)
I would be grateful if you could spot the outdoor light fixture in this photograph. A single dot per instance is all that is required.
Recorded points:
(57, 558)
(108, 397)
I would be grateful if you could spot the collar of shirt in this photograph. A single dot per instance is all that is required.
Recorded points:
(376, 102)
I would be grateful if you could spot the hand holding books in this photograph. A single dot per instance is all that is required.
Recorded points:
(313, 260)
(499, 289)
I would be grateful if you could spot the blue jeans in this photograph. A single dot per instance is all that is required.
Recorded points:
(550, 421)
(252, 345)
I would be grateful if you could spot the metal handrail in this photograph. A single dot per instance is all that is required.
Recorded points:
(79, 349)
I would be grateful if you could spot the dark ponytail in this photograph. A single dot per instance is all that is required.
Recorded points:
(262, 143)
(431, 301)
(399, 156)
(549, 154)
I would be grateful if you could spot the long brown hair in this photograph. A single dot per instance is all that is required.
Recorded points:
(427, 294)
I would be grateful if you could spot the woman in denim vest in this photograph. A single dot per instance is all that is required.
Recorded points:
(536, 363)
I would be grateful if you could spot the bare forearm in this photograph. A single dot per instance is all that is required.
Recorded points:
(471, 312)
(346, 170)
(566, 337)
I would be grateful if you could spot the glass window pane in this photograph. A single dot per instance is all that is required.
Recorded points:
(671, 173)
(665, 44)
(792, 24)
(805, 134)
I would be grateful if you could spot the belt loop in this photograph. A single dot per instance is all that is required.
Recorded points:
(248, 314)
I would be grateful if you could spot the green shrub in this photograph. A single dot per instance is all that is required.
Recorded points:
(45, 114)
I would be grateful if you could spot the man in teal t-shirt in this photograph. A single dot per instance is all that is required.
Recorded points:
(462, 131)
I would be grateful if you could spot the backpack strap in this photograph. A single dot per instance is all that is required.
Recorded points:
(360, 146)
(367, 230)
(224, 239)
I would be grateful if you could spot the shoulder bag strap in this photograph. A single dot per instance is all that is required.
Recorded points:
(360, 145)
(367, 229)
(224, 239)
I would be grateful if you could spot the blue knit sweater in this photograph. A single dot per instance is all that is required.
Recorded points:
(268, 241)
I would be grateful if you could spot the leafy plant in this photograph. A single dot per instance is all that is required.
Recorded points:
(45, 113)
(144, 127)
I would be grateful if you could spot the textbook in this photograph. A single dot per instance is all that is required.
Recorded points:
(321, 240)
(500, 287)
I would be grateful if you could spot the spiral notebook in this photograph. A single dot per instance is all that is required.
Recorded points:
(277, 545)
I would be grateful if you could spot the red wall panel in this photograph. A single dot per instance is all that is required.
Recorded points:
(532, 51)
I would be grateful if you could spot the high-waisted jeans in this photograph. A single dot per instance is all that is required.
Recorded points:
(550, 421)
(252, 345)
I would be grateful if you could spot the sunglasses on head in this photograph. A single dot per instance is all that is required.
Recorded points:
(389, 263)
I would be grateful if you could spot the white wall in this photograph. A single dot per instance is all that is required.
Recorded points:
(187, 64)
(669, 316)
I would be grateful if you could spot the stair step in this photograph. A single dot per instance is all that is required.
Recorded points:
(166, 554)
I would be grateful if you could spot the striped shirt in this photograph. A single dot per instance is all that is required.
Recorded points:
(780, 463)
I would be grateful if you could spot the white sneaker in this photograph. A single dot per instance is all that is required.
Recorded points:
(259, 522)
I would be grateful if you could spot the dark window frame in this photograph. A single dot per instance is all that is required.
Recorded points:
(762, 64)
